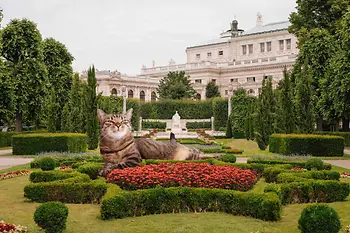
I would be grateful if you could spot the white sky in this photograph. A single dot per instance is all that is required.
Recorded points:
(124, 35)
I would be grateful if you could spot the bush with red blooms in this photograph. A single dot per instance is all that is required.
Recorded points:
(201, 175)
(345, 175)
(10, 175)
(11, 228)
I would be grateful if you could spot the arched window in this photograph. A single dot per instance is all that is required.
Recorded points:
(114, 91)
(130, 94)
(251, 92)
(153, 96)
(198, 96)
(142, 96)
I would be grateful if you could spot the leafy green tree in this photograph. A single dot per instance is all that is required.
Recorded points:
(249, 121)
(285, 121)
(176, 86)
(228, 129)
(58, 62)
(91, 110)
(22, 51)
(304, 109)
(53, 109)
(264, 117)
(211, 90)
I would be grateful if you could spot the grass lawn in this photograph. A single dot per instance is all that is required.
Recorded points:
(85, 218)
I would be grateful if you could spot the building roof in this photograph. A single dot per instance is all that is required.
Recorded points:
(267, 28)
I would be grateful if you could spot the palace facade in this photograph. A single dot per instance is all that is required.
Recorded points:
(236, 59)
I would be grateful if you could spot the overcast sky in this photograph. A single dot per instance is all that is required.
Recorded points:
(124, 35)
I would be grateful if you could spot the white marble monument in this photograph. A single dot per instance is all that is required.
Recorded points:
(176, 124)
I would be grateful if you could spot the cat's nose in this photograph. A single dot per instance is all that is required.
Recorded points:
(117, 124)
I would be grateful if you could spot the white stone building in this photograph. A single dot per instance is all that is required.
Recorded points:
(236, 59)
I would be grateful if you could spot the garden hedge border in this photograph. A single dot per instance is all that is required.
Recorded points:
(198, 125)
(32, 144)
(296, 176)
(298, 164)
(345, 135)
(306, 144)
(6, 137)
(310, 191)
(182, 199)
(153, 125)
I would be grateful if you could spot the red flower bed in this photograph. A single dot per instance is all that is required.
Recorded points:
(11, 228)
(345, 175)
(201, 175)
(10, 175)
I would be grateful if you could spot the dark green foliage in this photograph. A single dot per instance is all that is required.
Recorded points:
(187, 109)
(71, 160)
(228, 132)
(48, 176)
(198, 125)
(228, 158)
(319, 218)
(249, 121)
(6, 138)
(265, 115)
(153, 125)
(314, 164)
(211, 90)
(110, 104)
(270, 174)
(312, 191)
(176, 86)
(91, 169)
(31, 144)
(47, 164)
(345, 135)
(91, 111)
(300, 176)
(220, 112)
(169, 200)
(7, 94)
(136, 113)
(307, 144)
(52, 112)
(238, 135)
(241, 104)
(52, 217)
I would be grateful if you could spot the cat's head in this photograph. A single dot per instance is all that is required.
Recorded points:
(115, 126)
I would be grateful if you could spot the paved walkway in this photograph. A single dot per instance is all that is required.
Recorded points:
(4, 152)
(7, 162)
(347, 151)
(339, 163)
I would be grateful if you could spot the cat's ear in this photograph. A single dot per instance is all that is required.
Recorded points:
(100, 114)
(128, 114)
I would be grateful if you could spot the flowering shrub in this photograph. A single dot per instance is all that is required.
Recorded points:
(10, 175)
(11, 228)
(345, 175)
(201, 175)
(298, 169)
(347, 229)
(62, 167)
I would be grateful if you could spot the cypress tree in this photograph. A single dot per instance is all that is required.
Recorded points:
(249, 122)
(91, 110)
(52, 116)
(229, 128)
(265, 115)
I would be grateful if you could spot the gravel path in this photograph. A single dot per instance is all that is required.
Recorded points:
(4, 152)
(7, 162)
(339, 163)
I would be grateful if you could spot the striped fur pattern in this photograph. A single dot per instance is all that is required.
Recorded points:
(119, 149)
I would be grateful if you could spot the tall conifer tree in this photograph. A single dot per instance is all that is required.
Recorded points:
(91, 110)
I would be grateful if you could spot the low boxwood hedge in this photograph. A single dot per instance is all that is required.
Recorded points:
(310, 191)
(307, 144)
(183, 199)
(198, 125)
(91, 169)
(31, 144)
(6, 137)
(298, 164)
(73, 160)
(49, 176)
(302, 176)
(153, 125)
(345, 135)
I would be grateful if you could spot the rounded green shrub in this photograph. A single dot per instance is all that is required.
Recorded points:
(52, 217)
(229, 158)
(47, 164)
(91, 169)
(319, 218)
(314, 163)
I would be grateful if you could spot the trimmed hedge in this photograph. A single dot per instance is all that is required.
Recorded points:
(52, 217)
(302, 176)
(187, 109)
(31, 144)
(299, 164)
(135, 105)
(49, 176)
(307, 144)
(6, 137)
(91, 169)
(345, 135)
(310, 191)
(198, 125)
(75, 161)
(183, 199)
(220, 112)
(153, 125)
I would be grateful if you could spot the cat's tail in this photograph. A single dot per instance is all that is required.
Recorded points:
(172, 138)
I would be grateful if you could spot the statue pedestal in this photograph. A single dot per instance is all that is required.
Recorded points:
(176, 124)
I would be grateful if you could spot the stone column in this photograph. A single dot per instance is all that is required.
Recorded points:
(140, 125)
(124, 99)
(212, 124)
(230, 93)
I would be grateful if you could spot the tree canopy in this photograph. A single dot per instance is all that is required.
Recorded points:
(212, 90)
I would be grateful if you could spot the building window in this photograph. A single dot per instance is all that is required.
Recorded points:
(198, 81)
(198, 96)
(251, 79)
(130, 94)
(209, 54)
(281, 44)
(262, 47)
(251, 92)
(268, 45)
(234, 80)
(244, 49)
(289, 43)
(142, 96)
(221, 53)
(153, 96)
(198, 56)
(250, 47)
(214, 81)
(226, 92)
(267, 76)
(114, 91)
